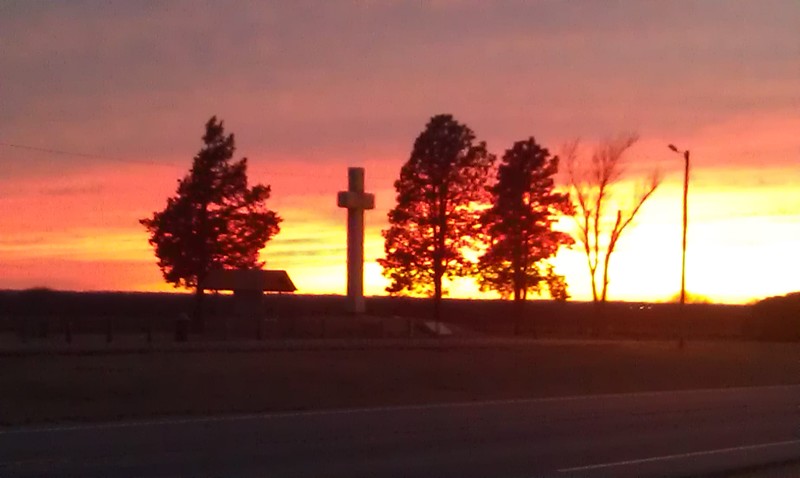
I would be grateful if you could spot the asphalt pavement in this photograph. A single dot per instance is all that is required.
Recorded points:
(686, 433)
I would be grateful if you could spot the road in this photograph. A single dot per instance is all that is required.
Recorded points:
(644, 434)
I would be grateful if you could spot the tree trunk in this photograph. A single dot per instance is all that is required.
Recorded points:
(603, 315)
(437, 293)
(438, 262)
(520, 294)
(198, 317)
(437, 298)
(591, 324)
(519, 314)
(605, 277)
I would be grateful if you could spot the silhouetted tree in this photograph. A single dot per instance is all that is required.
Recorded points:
(214, 221)
(592, 184)
(518, 227)
(435, 217)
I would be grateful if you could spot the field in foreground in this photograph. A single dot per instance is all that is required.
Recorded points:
(39, 389)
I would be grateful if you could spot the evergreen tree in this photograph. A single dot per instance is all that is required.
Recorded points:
(518, 227)
(214, 221)
(435, 217)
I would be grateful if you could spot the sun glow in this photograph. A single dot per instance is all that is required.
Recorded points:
(742, 241)
(80, 231)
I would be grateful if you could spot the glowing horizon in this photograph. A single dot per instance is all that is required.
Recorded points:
(651, 245)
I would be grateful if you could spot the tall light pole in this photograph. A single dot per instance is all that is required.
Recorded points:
(685, 222)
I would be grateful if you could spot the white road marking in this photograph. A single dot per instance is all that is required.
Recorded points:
(365, 410)
(679, 456)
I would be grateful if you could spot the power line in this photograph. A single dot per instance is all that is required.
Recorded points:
(62, 152)
(82, 155)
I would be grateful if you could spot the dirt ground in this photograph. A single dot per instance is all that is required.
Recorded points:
(42, 389)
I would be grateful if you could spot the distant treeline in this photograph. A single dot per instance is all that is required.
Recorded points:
(778, 318)
(771, 319)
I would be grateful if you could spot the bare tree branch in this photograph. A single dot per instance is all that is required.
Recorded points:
(591, 186)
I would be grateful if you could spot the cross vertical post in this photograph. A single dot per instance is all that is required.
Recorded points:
(356, 201)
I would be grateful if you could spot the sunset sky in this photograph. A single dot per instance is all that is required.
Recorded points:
(102, 106)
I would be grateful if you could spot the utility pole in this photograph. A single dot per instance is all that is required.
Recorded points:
(685, 224)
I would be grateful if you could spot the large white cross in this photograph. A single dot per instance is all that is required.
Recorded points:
(356, 201)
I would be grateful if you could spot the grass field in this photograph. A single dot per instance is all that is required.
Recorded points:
(40, 389)
(34, 311)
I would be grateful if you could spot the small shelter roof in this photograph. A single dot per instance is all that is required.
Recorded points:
(249, 280)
